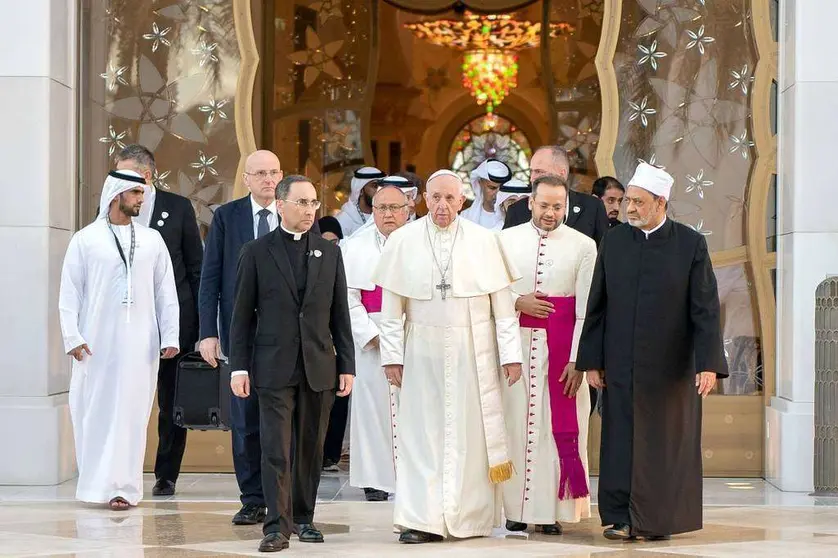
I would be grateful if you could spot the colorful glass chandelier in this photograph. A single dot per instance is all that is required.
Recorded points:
(490, 43)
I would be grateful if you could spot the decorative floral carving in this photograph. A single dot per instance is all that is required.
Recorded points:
(317, 58)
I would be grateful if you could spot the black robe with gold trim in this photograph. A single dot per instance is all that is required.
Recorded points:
(653, 320)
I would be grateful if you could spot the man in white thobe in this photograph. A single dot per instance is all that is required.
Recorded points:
(547, 413)
(374, 401)
(486, 180)
(358, 209)
(447, 320)
(510, 192)
(118, 306)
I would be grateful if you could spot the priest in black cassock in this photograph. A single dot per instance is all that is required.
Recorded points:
(652, 340)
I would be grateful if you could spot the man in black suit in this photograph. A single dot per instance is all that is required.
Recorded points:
(299, 354)
(233, 225)
(585, 213)
(174, 218)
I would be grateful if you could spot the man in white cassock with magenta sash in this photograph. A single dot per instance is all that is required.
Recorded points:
(547, 413)
(447, 322)
(374, 400)
(118, 306)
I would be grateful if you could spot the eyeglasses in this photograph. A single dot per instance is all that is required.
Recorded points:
(392, 208)
(263, 174)
(305, 204)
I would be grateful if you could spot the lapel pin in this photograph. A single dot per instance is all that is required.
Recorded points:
(317, 253)
(165, 215)
(576, 209)
(160, 223)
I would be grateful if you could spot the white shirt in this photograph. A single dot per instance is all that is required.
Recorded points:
(647, 233)
(273, 220)
(147, 209)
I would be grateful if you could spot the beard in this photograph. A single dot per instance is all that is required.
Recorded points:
(367, 199)
(129, 210)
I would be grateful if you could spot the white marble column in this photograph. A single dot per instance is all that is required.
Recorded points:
(807, 228)
(38, 181)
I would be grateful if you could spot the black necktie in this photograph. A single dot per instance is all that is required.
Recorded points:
(262, 227)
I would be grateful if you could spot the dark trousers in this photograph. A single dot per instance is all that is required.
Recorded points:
(247, 450)
(298, 414)
(171, 438)
(333, 446)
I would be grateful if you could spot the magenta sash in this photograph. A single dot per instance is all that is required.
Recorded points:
(559, 327)
(372, 300)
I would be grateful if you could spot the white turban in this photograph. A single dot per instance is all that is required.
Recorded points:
(116, 183)
(512, 187)
(490, 169)
(401, 183)
(361, 178)
(652, 179)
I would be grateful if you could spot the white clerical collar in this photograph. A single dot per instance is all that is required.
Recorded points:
(256, 208)
(294, 235)
(541, 232)
(648, 233)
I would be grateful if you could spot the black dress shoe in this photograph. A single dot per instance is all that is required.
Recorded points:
(515, 526)
(250, 514)
(658, 537)
(554, 529)
(273, 542)
(163, 488)
(618, 532)
(308, 533)
(418, 537)
(375, 495)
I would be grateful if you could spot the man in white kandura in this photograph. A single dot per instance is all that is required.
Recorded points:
(118, 306)
(486, 180)
(447, 320)
(546, 413)
(374, 401)
(358, 209)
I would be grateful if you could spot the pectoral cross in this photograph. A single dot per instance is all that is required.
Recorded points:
(443, 287)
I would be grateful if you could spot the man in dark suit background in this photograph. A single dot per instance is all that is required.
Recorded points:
(300, 353)
(174, 218)
(585, 213)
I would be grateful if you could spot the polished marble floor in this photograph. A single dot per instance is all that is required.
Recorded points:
(742, 518)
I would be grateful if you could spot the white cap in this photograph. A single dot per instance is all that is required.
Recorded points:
(652, 179)
(116, 183)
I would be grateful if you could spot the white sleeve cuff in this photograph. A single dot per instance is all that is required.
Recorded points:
(235, 373)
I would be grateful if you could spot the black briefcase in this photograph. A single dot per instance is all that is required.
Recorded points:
(202, 394)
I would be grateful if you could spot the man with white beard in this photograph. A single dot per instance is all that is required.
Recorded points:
(547, 413)
(447, 322)
(374, 401)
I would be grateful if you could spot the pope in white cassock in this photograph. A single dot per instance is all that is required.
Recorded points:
(547, 413)
(355, 212)
(118, 306)
(374, 400)
(447, 320)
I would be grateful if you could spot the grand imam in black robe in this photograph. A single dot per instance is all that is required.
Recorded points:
(653, 321)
